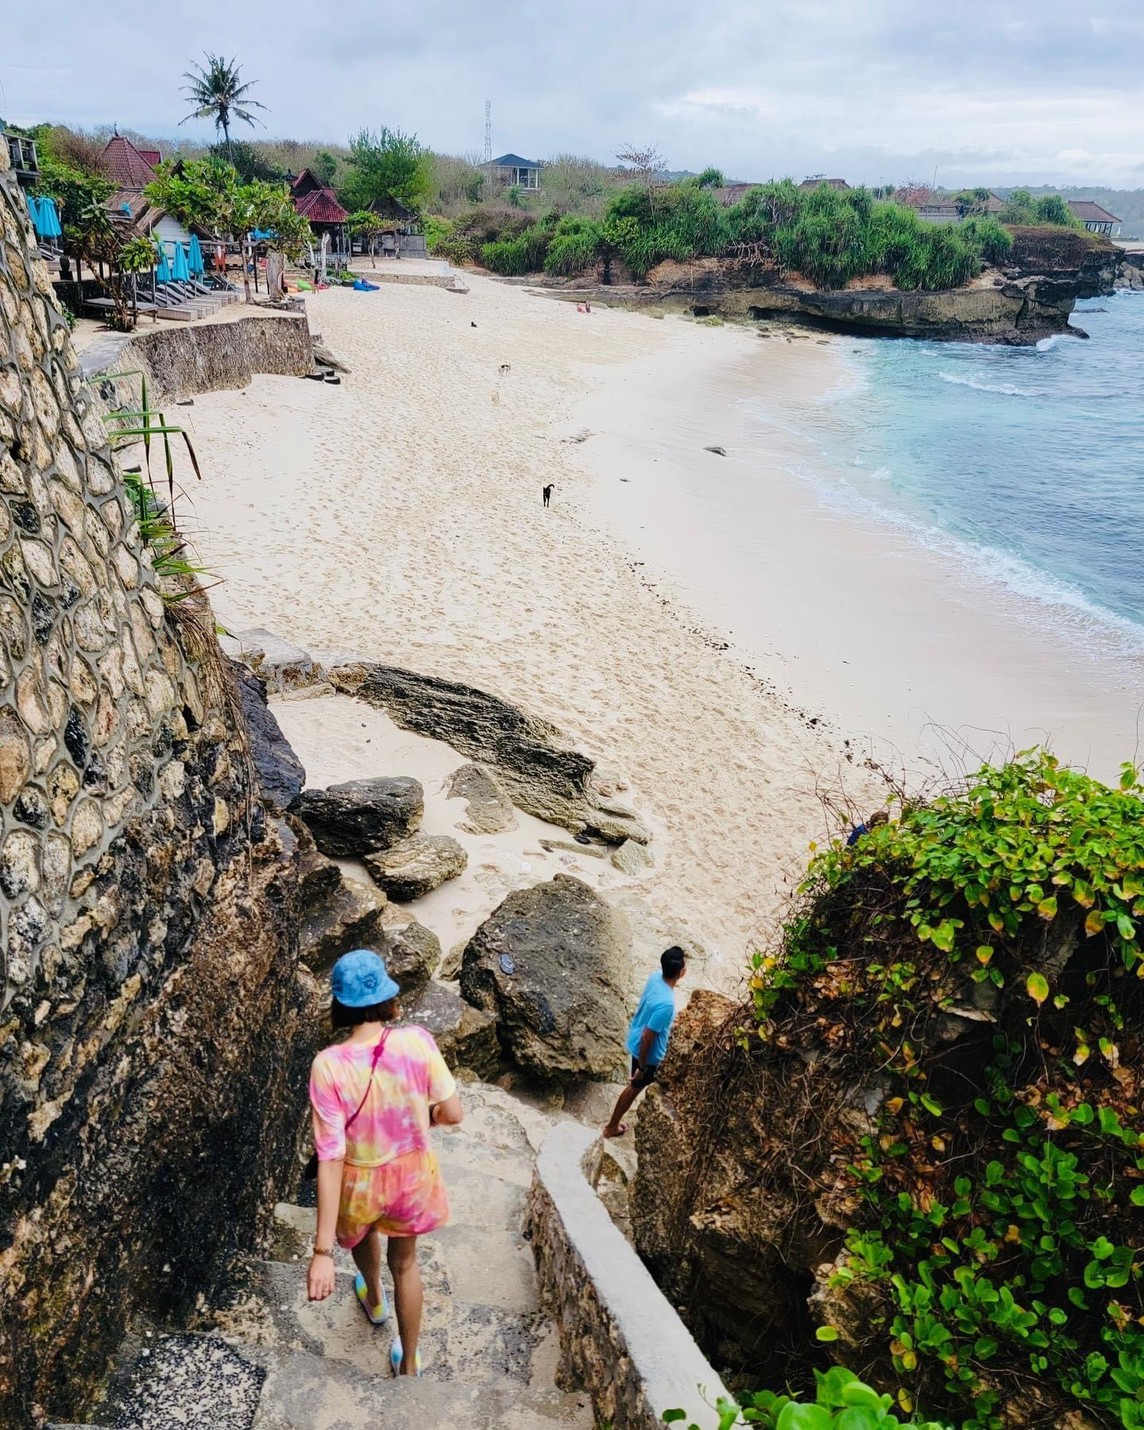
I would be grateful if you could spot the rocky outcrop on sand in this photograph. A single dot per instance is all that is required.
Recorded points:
(551, 963)
(338, 913)
(1030, 299)
(280, 773)
(531, 758)
(467, 1036)
(490, 810)
(361, 816)
(416, 866)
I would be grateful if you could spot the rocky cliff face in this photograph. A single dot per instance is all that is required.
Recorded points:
(1027, 302)
(148, 1097)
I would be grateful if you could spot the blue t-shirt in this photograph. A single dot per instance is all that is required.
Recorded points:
(656, 1011)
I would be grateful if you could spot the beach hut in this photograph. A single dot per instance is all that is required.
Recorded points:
(511, 171)
(1095, 218)
(318, 204)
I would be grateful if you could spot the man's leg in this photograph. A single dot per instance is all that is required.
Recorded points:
(407, 1295)
(367, 1259)
(639, 1081)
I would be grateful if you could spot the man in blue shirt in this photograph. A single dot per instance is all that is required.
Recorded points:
(647, 1036)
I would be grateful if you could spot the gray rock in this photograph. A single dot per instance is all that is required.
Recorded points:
(718, 451)
(631, 857)
(490, 810)
(551, 963)
(466, 1036)
(280, 663)
(342, 917)
(361, 816)
(416, 866)
(412, 954)
(450, 969)
(280, 772)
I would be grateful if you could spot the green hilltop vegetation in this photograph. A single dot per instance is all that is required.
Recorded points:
(589, 218)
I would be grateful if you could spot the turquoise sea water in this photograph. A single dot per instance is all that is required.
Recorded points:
(1029, 460)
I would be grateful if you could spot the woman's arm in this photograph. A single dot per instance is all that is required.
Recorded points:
(447, 1113)
(320, 1277)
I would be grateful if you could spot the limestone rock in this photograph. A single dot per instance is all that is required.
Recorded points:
(631, 857)
(417, 865)
(551, 963)
(346, 916)
(280, 772)
(490, 810)
(412, 954)
(361, 816)
(282, 665)
(466, 1036)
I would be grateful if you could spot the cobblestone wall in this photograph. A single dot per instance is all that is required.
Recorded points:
(148, 1099)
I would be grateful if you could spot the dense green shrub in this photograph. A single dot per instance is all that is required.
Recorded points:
(841, 1402)
(516, 256)
(977, 959)
(576, 246)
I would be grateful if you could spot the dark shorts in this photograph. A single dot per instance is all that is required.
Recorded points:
(647, 1077)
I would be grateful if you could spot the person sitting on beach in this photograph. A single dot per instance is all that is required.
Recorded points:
(648, 1033)
(374, 1098)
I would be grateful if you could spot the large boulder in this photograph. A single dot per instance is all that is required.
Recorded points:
(466, 1036)
(490, 810)
(339, 914)
(417, 865)
(280, 772)
(551, 963)
(362, 816)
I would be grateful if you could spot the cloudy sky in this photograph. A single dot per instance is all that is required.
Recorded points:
(875, 90)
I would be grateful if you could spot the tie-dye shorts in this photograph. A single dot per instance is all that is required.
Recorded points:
(404, 1197)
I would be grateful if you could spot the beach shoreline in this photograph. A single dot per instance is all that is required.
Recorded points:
(399, 516)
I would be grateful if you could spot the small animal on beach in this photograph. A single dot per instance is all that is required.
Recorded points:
(547, 493)
(504, 368)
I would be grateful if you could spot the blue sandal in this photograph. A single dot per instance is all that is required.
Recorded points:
(377, 1315)
(396, 1355)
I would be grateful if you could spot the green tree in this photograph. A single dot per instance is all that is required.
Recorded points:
(324, 165)
(249, 161)
(1053, 209)
(219, 93)
(384, 167)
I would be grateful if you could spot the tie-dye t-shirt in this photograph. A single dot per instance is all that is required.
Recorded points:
(394, 1119)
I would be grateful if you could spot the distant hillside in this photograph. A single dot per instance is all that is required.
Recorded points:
(1126, 204)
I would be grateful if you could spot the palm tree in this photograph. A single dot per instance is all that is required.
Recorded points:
(218, 93)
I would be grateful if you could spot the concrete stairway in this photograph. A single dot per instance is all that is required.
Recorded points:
(274, 1361)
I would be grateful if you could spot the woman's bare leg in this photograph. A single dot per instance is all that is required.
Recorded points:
(367, 1259)
(407, 1295)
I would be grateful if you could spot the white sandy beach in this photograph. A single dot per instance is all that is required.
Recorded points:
(399, 515)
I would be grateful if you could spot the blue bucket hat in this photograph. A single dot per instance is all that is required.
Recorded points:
(359, 979)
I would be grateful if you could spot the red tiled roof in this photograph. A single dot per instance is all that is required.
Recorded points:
(152, 156)
(320, 206)
(124, 165)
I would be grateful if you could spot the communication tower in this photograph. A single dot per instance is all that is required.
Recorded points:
(488, 131)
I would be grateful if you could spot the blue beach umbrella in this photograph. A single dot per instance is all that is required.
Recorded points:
(195, 256)
(181, 272)
(34, 211)
(50, 218)
(162, 268)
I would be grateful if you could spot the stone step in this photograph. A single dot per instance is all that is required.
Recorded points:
(305, 1392)
(197, 1382)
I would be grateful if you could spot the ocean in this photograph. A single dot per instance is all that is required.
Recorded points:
(1028, 463)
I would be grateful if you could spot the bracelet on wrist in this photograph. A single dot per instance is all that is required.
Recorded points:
(320, 1251)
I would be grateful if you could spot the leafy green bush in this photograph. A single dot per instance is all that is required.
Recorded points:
(841, 1402)
(979, 959)
(989, 238)
(523, 254)
(575, 247)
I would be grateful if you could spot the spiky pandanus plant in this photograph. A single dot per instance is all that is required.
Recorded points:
(219, 92)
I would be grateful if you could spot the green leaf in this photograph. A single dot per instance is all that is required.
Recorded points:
(804, 1417)
(826, 1333)
(1037, 987)
(669, 1417)
(1137, 1197)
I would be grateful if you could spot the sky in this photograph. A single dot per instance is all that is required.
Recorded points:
(989, 91)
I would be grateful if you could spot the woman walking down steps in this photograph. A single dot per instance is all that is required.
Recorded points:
(374, 1098)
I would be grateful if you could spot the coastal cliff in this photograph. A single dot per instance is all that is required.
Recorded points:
(148, 1098)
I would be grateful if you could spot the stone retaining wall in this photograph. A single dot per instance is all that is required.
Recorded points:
(202, 357)
(149, 992)
(620, 1339)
